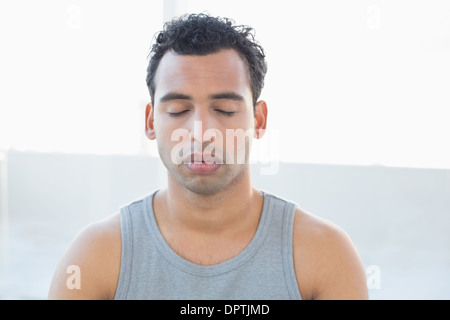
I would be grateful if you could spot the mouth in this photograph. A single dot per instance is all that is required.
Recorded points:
(202, 164)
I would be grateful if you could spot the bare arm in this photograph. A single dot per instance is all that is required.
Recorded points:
(89, 269)
(326, 262)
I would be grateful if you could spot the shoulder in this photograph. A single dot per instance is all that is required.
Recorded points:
(326, 262)
(95, 255)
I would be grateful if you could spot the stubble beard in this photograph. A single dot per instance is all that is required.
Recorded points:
(224, 178)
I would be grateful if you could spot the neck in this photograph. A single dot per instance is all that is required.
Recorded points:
(230, 209)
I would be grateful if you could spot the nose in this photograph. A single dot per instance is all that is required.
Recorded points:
(202, 127)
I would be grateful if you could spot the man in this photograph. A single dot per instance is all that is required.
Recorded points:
(210, 234)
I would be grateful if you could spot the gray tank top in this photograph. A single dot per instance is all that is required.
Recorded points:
(264, 270)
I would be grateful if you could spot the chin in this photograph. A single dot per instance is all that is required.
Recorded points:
(204, 188)
(206, 184)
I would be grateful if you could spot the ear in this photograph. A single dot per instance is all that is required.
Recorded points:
(149, 125)
(260, 119)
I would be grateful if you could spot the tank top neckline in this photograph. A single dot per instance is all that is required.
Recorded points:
(209, 270)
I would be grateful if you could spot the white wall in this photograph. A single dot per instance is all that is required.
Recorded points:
(3, 217)
(398, 218)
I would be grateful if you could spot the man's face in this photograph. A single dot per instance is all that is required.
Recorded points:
(200, 101)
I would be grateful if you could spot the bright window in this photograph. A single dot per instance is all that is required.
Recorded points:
(349, 82)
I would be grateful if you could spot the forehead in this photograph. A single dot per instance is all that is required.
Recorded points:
(221, 71)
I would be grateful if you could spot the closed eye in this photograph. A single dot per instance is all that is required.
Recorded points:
(226, 113)
(177, 114)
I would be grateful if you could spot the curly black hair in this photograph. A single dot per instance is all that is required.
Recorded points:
(202, 34)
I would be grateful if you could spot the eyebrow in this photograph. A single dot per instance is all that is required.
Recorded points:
(174, 96)
(218, 96)
(227, 96)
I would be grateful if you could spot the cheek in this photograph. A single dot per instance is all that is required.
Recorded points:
(249, 121)
(163, 130)
(173, 143)
(237, 145)
(163, 140)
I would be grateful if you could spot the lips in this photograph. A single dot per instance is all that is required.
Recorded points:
(202, 168)
(202, 164)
